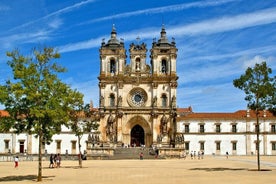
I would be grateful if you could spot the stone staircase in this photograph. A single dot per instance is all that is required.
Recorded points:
(131, 153)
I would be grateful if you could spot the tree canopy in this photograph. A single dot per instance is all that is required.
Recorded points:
(37, 101)
(259, 87)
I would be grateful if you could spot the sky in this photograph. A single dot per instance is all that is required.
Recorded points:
(217, 41)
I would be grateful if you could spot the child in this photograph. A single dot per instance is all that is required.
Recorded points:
(16, 160)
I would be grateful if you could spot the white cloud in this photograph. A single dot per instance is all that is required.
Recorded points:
(258, 59)
(212, 26)
(4, 8)
(247, 52)
(223, 24)
(10, 41)
(80, 45)
(56, 13)
(211, 98)
(171, 8)
(55, 23)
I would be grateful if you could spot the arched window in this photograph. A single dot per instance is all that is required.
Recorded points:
(164, 66)
(164, 100)
(112, 100)
(112, 66)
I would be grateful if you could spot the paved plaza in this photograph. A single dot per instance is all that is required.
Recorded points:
(211, 169)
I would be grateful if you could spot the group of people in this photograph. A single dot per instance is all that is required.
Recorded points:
(55, 161)
(199, 154)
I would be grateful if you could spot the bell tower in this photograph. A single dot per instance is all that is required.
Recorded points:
(112, 56)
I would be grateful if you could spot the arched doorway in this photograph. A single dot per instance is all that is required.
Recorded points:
(137, 136)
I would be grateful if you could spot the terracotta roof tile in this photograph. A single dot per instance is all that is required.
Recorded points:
(3, 113)
(237, 115)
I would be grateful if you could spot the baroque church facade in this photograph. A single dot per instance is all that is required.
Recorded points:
(138, 107)
(138, 100)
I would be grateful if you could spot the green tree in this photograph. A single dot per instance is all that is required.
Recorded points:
(259, 88)
(37, 101)
(83, 120)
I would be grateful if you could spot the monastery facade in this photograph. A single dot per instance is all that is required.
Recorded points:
(138, 107)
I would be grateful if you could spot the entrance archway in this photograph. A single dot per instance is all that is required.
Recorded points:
(137, 136)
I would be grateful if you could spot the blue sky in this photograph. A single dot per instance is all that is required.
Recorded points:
(216, 40)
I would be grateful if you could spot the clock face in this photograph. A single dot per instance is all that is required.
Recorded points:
(137, 97)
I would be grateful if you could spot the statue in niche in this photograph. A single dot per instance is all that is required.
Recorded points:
(110, 124)
(120, 101)
(163, 125)
(138, 65)
(154, 102)
(101, 101)
(173, 102)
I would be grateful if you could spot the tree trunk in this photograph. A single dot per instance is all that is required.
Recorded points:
(80, 158)
(258, 141)
(39, 176)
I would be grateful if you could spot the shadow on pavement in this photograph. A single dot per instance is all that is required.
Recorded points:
(21, 178)
(219, 169)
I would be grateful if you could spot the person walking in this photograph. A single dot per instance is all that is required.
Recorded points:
(16, 160)
(51, 165)
(58, 159)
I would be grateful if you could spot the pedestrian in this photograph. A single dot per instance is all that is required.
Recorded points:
(191, 155)
(51, 165)
(16, 160)
(141, 156)
(227, 154)
(58, 160)
(198, 155)
(156, 153)
(55, 160)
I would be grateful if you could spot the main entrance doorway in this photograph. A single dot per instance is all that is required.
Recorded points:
(137, 136)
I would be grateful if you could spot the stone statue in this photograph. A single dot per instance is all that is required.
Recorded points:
(163, 127)
(154, 102)
(173, 102)
(101, 101)
(109, 126)
(120, 101)
(138, 65)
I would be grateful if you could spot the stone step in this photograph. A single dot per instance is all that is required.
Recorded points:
(131, 153)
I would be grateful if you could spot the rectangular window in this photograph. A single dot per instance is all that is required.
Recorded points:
(74, 145)
(187, 146)
(273, 128)
(7, 144)
(234, 146)
(58, 144)
(217, 128)
(273, 146)
(217, 146)
(201, 128)
(201, 145)
(187, 129)
(234, 128)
